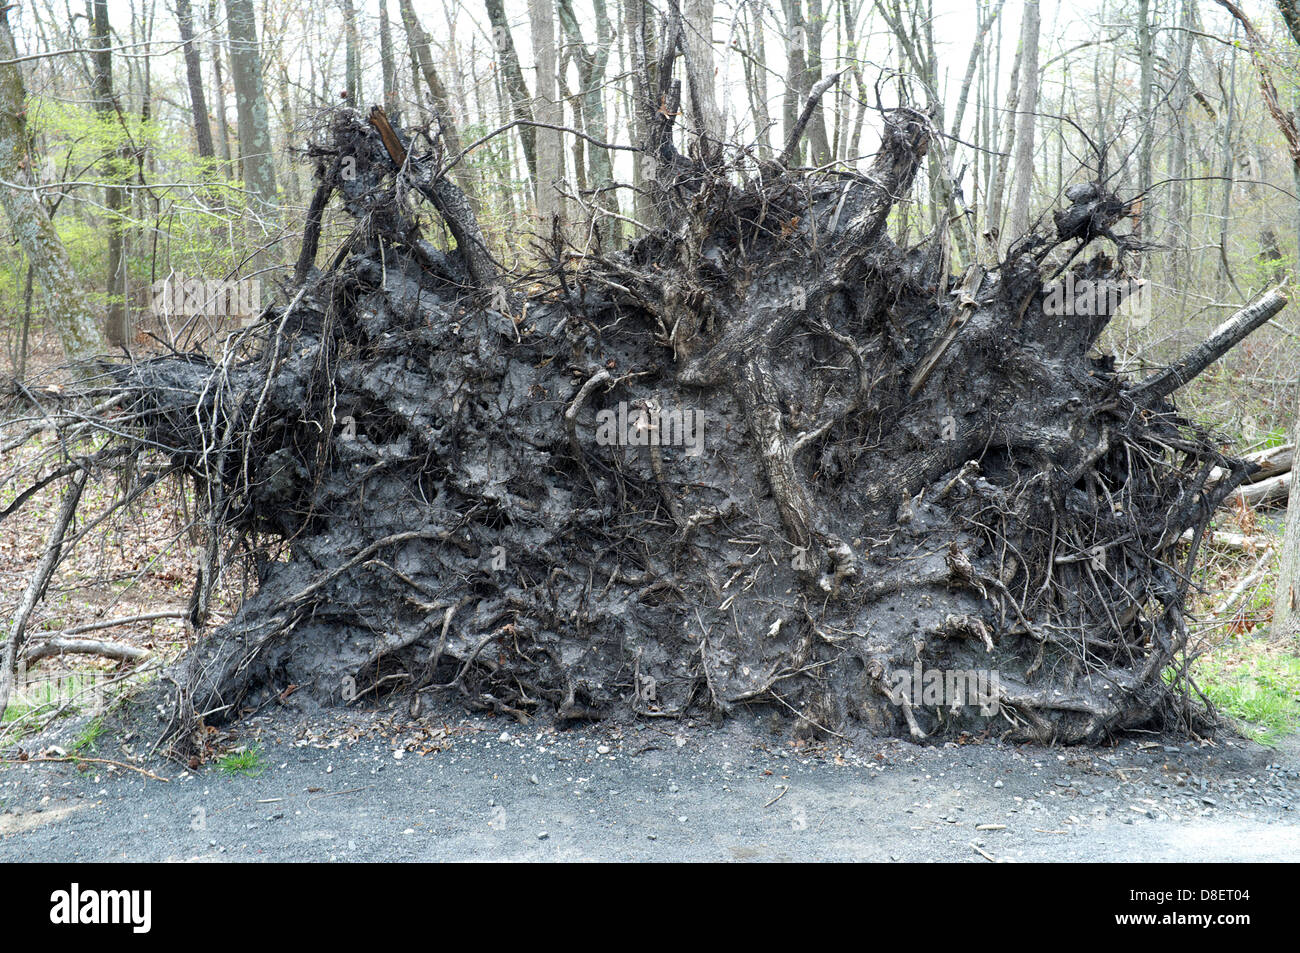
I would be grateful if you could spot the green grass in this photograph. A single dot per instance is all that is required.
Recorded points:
(247, 762)
(88, 741)
(1258, 687)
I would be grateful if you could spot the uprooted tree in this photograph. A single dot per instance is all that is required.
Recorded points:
(763, 455)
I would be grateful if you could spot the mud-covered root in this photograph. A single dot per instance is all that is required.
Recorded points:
(762, 456)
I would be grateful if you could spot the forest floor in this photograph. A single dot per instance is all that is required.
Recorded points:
(372, 786)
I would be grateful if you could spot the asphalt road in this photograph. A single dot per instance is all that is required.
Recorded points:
(380, 786)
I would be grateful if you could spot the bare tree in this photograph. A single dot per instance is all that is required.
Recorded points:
(219, 89)
(387, 64)
(1146, 135)
(592, 62)
(754, 64)
(352, 53)
(423, 53)
(520, 98)
(1003, 140)
(640, 42)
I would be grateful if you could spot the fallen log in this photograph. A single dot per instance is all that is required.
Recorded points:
(1227, 336)
(1247, 584)
(1238, 542)
(1270, 463)
(63, 646)
(1265, 492)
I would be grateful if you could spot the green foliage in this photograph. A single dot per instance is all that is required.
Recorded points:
(88, 741)
(1257, 687)
(246, 761)
(171, 227)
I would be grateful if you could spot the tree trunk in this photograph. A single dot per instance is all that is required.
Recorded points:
(351, 54)
(819, 148)
(592, 63)
(1286, 603)
(546, 109)
(255, 152)
(1146, 135)
(697, 42)
(442, 106)
(755, 67)
(1003, 143)
(387, 64)
(520, 98)
(219, 92)
(640, 34)
(796, 33)
(1026, 117)
(116, 322)
(1176, 236)
(69, 307)
(194, 80)
(1286, 600)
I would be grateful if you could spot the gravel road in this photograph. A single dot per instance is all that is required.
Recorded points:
(380, 786)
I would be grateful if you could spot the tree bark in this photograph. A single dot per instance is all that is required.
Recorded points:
(69, 307)
(1026, 118)
(194, 80)
(697, 43)
(547, 109)
(255, 153)
(520, 98)
(116, 322)
(819, 148)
